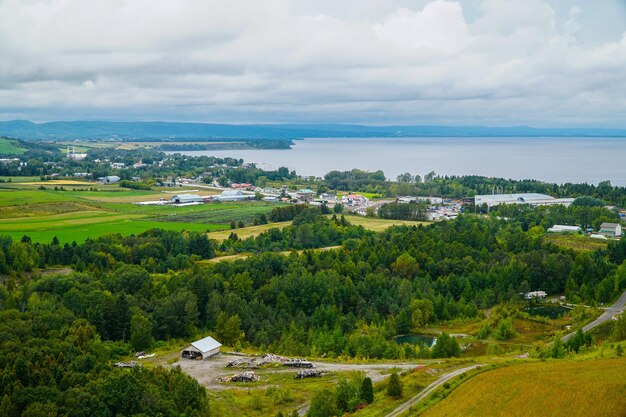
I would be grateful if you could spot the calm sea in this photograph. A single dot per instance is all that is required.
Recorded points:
(557, 160)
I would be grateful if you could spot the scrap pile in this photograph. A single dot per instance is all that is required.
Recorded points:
(298, 363)
(130, 364)
(309, 373)
(248, 376)
(243, 363)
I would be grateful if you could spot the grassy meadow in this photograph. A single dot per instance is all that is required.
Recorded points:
(8, 147)
(555, 388)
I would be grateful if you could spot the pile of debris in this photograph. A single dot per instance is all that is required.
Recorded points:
(298, 363)
(310, 373)
(130, 364)
(248, 376)
(243, 363)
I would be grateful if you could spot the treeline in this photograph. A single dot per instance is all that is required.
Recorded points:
(135, 185)
(156, 250)
(309, 230)
(528, 216)
(404, 211)
(465, 186)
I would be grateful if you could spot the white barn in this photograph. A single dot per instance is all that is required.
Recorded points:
(203, 348)
(187, 198)
(233, 195)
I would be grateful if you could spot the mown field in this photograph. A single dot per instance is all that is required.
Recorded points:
(8, 147)
(555, 389)
(93, 210)
(83, 209)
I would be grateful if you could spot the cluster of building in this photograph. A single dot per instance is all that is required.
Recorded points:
(607, 230)
(438, 208)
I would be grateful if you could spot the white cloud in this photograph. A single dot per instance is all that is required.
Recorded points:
(504, 62)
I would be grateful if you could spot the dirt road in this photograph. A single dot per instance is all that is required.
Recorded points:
(419, 397)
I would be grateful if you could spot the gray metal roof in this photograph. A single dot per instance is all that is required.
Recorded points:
(187, 196)
(207, 344)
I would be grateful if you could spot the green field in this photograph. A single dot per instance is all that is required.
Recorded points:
(78, 226)
(8, 147)
(76, 215)
(555, 389)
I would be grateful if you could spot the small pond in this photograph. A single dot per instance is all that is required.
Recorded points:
(416, 339)
(553, 312)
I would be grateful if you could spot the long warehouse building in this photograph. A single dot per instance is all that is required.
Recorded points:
(534, 199)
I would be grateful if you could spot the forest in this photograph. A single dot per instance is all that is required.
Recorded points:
(59, 334)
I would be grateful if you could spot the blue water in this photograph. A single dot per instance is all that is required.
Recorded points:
(557, 160)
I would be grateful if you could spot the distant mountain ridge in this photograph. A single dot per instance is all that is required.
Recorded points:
(173, 131)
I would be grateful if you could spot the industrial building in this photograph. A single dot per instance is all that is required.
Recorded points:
(533, 199)
(202, 349)
(187, 198)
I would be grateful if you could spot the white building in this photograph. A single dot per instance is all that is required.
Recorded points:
(560, 228)
(203, 348)
(111, 179)
(233, 195)
(187, 198)
(354, 200)
(535, 294)
(611, 230)
(534, 199)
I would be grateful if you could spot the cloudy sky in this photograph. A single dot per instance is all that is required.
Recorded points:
(487, 62)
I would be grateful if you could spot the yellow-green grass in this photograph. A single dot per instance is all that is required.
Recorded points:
(579, 243)
(377, 225)
(247, 232)
(9, 147)
(60, 182)
(556, 389)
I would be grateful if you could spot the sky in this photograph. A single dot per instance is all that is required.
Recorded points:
(545, 63)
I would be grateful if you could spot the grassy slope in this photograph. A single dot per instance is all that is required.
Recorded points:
(8, 147)
(560, 388)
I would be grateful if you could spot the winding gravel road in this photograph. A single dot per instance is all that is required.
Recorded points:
(419, 397)
(617, 308)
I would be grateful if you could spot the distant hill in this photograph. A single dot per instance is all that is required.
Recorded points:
(167, 131)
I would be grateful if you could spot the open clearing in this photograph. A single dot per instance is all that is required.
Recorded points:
(556, 389)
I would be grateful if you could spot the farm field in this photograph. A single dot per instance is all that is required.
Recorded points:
(563, 388)
(8, 147)
(78, 226)
(75, 215)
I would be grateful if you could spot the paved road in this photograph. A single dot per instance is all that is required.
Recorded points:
(419, 397)
(618, 307)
